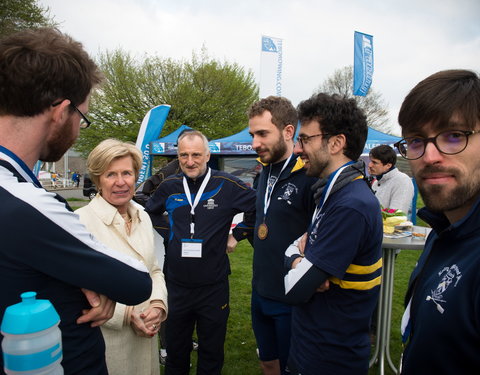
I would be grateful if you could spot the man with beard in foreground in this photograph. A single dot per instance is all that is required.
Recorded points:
(440, 120)
(45, 82)
(284, 208)
(330, 330)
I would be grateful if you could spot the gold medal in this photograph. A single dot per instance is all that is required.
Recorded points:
(262, 231)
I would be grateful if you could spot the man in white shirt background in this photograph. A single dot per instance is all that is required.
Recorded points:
(393, 189)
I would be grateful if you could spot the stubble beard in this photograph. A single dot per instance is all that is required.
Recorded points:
(439, 198)
(59, 143)
(318, 164)
(277, 152)
(316, 169)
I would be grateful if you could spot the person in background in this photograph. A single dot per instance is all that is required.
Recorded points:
(440, 120)
(46, 79)
(76, 179)
(284, 209)
(341, 252)
(54, 180)
(112, 217)
(394, 189)
(201, 204)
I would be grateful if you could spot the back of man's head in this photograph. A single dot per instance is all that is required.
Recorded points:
(40, 66)
(439, 97)
(282, 110)
(385, 154)
(337, 115)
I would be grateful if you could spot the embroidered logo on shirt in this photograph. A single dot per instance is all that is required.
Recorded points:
(288, 192)
(448, 276)
(210, 204)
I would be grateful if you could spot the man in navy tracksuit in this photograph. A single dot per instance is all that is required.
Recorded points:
(440, 120)
(201, 204)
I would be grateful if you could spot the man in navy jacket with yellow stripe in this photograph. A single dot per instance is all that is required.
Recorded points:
(330, 329)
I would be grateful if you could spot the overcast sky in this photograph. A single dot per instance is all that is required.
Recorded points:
(412, 38)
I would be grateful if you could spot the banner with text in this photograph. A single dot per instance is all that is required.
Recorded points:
(271, 66)
(363, 63)
(150, 130)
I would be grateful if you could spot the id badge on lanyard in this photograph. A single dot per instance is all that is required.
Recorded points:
(191, 248)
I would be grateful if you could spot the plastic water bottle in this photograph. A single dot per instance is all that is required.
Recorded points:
(32, 343)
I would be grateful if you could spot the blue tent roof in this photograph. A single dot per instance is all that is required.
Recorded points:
(243, 136)
(167, 145)
(173, 136)
(376, 138)
(236, 144)
(240, 144)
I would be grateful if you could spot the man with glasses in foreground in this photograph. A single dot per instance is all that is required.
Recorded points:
(440, 120)
(341, 251)
(45, 83)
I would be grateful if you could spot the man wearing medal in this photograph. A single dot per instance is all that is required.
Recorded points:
(330, 329)
(201, 204)
(284, 207)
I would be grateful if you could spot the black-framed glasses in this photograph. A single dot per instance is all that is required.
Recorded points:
(84, 121)
(304, 139)
(449, 142)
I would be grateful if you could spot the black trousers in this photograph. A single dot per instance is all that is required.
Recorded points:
(205, 308)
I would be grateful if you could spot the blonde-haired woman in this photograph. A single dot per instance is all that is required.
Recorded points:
(112, 217)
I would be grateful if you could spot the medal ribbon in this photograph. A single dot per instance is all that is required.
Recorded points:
(328, 188)
(197, 198)
(268, 195)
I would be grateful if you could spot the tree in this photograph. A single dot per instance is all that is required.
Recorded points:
(17, 15)
(205, 94)
(341, 82)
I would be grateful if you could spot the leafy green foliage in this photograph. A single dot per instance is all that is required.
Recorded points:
(17, 15)
(205, 94)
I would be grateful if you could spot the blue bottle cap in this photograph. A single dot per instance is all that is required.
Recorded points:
(29, 316)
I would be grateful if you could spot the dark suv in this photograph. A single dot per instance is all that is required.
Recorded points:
(89, 188)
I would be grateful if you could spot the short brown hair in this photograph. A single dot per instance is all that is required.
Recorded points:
(385, 154)
(41, 66)
(438, 97)
(107, 151)
(282, 110)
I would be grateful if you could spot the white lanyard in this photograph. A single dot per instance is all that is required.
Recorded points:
(19, 165)
(197, 198)
(329, 188)
(268, 193)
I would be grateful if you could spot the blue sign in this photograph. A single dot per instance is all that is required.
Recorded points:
(363, 63)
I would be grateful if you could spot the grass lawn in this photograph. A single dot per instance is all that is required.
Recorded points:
(76, 203)
(240, 346)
